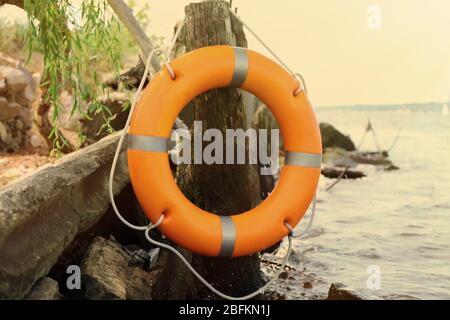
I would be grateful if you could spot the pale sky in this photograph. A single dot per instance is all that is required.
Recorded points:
(342, 60)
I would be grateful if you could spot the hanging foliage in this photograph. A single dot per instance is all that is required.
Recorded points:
(71, 39)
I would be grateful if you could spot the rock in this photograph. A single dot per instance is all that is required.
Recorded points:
(370, 158)
(11, 111)
(29, 94)
(338, 291)
(307, 285)
(16, 80)
(36, 140)
(19, 124)
(8, 61)
(2, 86)
(3, 133)
(3, 103)
(44, 289)
(335, 173)
(5, 69)
(42, 213)
(104, 271)
(18, 90)
(331, 137)
(36, 79)
(391, 167)
(338, 157)
(107, 274)
(139, 283)
(115, 101)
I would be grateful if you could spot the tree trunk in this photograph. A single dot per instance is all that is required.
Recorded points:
(18, 3)
(221, 189)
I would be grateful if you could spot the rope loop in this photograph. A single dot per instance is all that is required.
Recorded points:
(290, 229)
(152, 226)
(301, 84)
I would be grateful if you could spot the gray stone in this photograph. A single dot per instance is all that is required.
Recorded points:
(5, 69)
(376, 159)
(3, 102)
(338, 291)
(44, 289)
(42, 213)
(29, 93)
(2, 86)
(17, 79)
(104, 271)
(8, 61)
(139, 283)
(338, 157)
(333, 138)
(11, 111)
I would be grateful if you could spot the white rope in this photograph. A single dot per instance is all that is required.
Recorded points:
(148, 71)
(179, 123)
(308, 227)
(204, 281)
(297, 76)
(302, 86)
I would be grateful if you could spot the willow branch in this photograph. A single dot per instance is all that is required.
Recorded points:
(125, 15)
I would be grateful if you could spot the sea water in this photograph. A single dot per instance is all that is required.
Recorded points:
(394, 226)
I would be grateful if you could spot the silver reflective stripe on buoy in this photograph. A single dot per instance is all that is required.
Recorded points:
(301, 159)
(240, 67)
(147, 143)
(228, 237)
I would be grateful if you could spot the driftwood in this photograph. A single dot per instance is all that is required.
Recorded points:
(345, 173)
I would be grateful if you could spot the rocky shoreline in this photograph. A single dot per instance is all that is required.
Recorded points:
(67, 224)
(56, 223)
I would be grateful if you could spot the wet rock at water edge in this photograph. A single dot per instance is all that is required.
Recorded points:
(45, 289)
(333, 138)
(339, 291)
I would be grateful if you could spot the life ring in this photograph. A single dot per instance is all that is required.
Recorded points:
(150, 129)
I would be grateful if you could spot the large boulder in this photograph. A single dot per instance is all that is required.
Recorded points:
(45, 289)
(108, 273)
(333, 138)
(104, 271)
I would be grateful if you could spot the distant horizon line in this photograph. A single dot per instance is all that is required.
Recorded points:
(384, 104)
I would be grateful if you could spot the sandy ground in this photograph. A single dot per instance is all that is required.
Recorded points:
(14, 166)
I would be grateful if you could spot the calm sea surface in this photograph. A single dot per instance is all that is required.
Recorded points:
(397, 221)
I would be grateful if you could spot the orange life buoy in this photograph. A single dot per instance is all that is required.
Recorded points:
(150, 129)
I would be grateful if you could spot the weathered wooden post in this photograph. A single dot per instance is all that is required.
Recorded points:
(222, 189)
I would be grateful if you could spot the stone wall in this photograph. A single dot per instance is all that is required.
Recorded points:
(18, 90)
